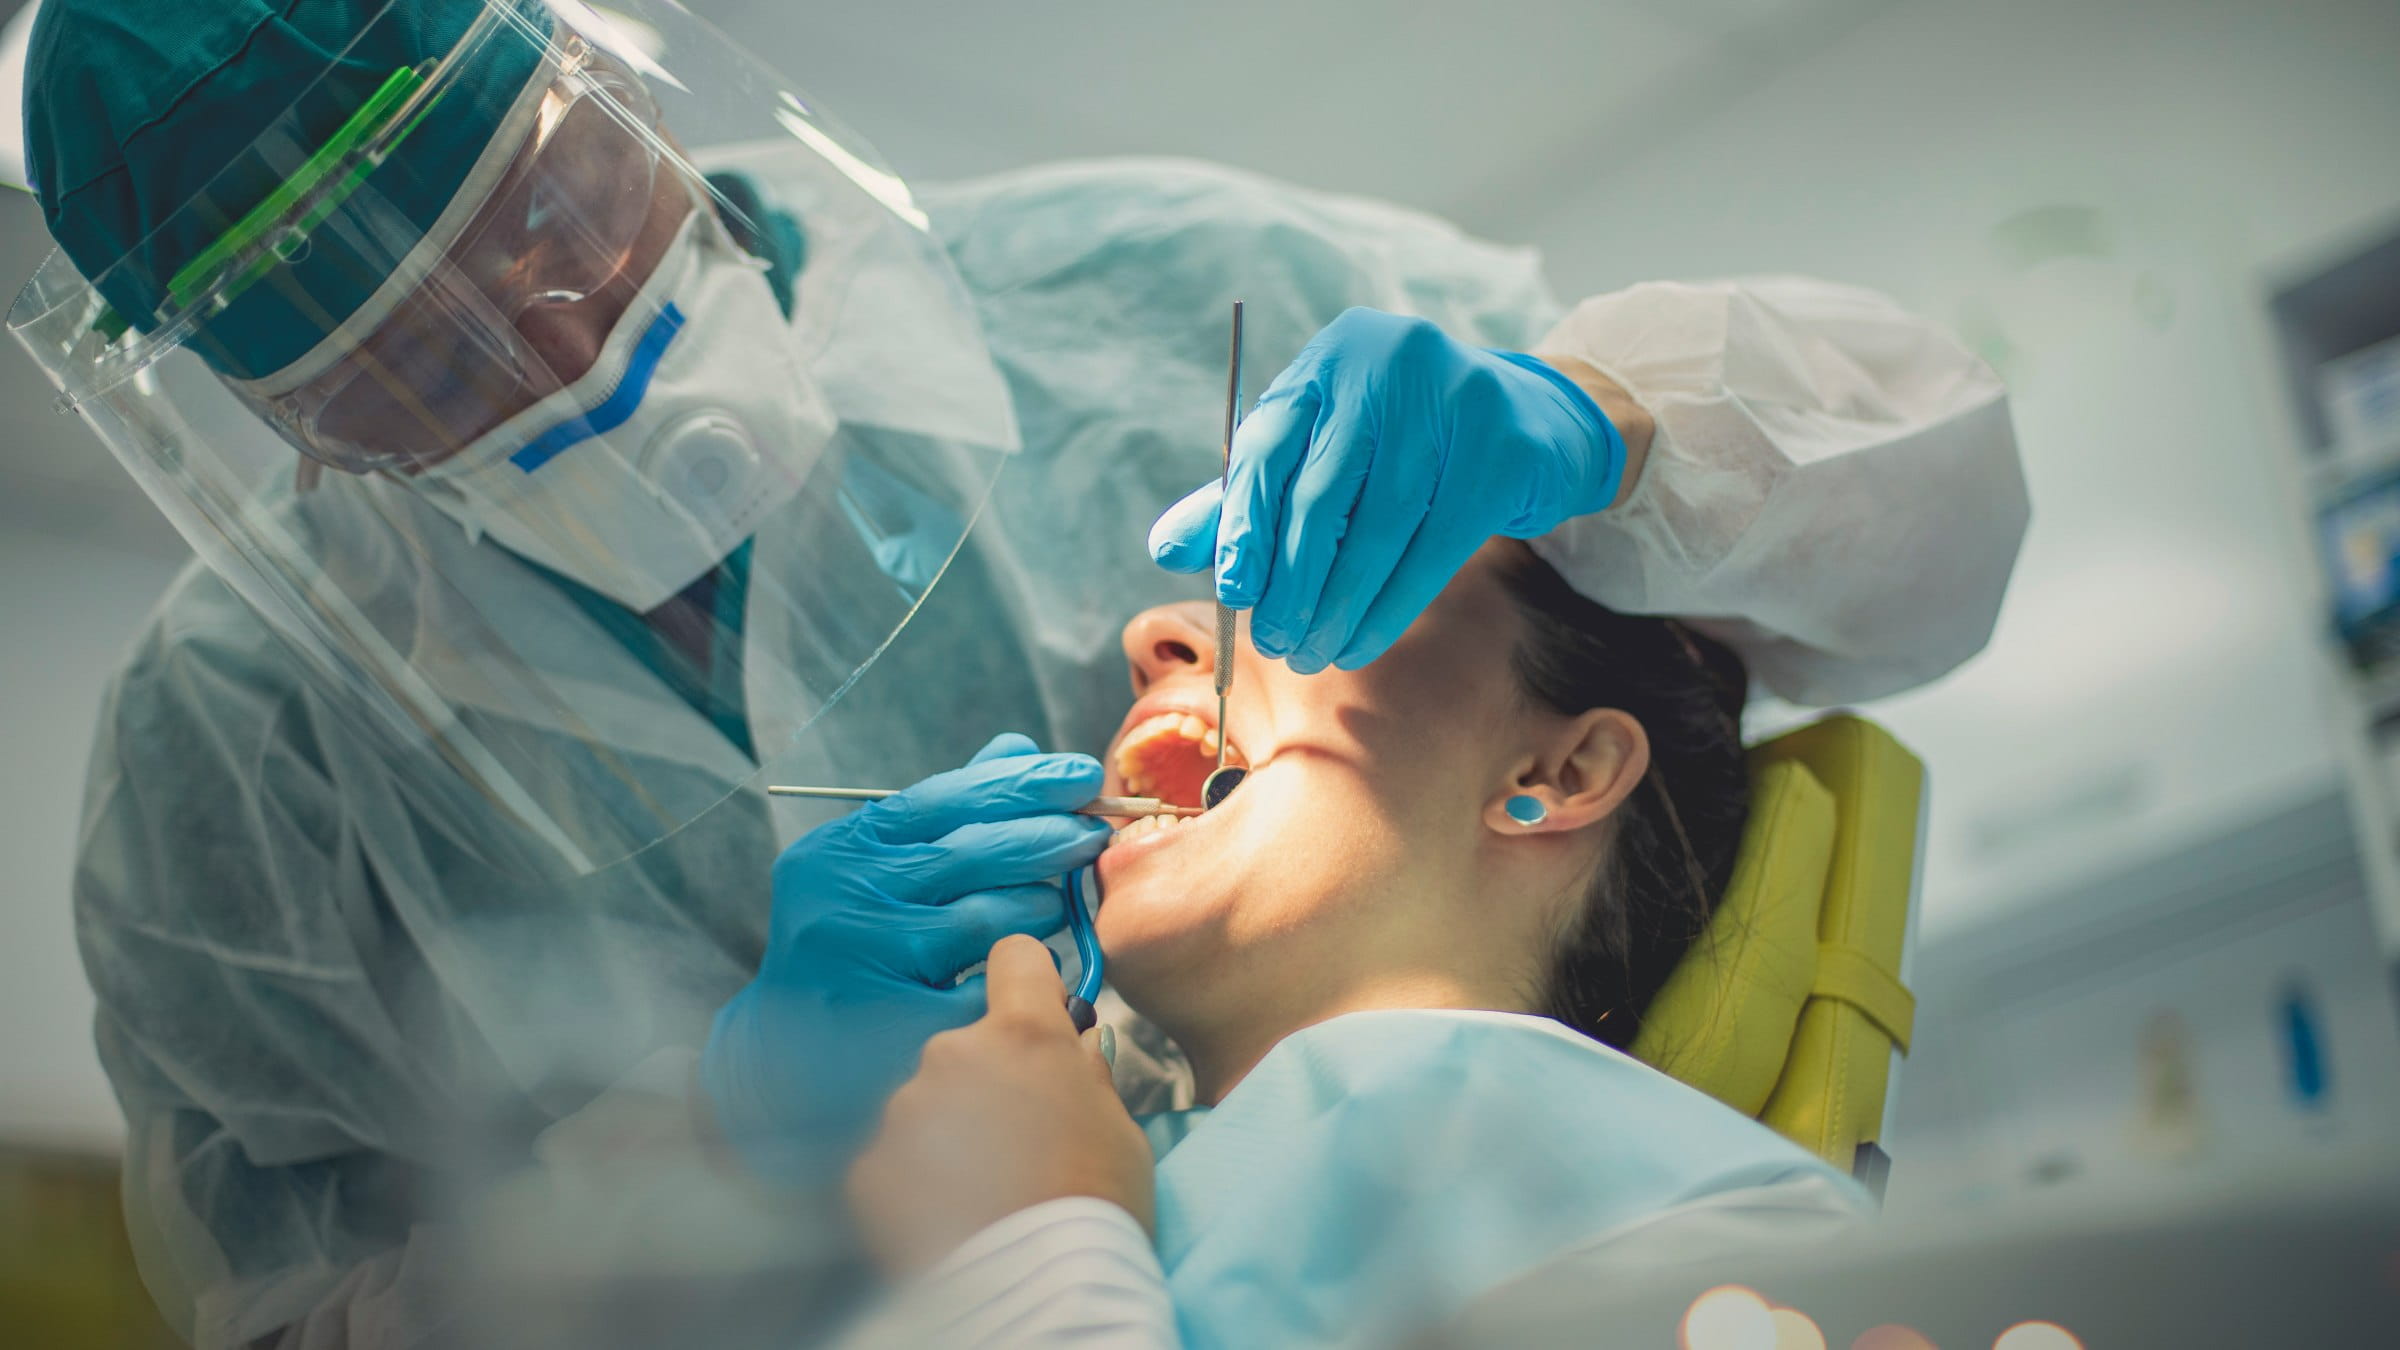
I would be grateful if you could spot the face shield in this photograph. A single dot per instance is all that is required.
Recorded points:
(589, 496)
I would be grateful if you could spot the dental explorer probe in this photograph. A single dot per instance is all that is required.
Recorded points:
(1221, 781)
(1097, 806)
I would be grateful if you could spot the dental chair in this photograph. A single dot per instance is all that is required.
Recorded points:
(1793, 1007)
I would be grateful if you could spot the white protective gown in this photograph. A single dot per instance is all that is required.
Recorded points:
(322, 1026)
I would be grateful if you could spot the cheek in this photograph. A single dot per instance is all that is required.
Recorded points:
(1306, 834)
(1428, 750)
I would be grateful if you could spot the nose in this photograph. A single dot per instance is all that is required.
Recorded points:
(1171, 640)
(566, 338)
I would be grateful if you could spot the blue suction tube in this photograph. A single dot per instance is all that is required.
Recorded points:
(1087, 949)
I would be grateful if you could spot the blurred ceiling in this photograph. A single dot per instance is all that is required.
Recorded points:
(1484, 113)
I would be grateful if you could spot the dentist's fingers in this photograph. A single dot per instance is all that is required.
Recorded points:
(1384, 529)
(937, 942)
(1267, 452)
(991, 853)
(1316, 528)
(1020, 985)
(1006, 745)
(1006, 786)
(1184, 537)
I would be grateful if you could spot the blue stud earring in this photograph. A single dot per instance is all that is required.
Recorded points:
(1526, 811)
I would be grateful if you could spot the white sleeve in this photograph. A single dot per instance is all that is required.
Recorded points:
(1075, 1272)
(1832, 489)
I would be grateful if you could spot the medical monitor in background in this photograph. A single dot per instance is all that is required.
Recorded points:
(2358, 537)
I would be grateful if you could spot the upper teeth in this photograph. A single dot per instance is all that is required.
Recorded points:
(1185, 725)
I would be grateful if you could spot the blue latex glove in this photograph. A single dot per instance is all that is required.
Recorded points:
(875, 914)
(1371, 469)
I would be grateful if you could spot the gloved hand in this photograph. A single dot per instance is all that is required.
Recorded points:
(1371, 469)
(875, 914)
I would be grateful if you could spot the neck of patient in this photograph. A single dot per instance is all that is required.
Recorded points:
(1424, 930)
(1224, 1049)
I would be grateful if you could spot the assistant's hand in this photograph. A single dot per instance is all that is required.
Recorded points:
(1001, 1116)
(1371, 469)
(875, 915)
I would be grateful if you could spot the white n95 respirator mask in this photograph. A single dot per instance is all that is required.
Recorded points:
(694, 424)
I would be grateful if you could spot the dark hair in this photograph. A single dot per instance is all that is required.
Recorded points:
(1674, 839)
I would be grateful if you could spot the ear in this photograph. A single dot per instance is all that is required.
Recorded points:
(1579, 775)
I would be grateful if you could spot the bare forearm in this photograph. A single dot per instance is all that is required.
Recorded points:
(1633, 422)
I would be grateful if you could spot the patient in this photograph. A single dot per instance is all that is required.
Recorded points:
(1392, 958)
(1369, 859)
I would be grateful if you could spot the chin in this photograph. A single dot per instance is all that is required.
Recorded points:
(1154, 931)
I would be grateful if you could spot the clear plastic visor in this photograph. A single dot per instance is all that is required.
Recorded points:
(521, 304)
(764, 413)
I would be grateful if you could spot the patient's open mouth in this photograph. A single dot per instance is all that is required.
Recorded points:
(1168, 755)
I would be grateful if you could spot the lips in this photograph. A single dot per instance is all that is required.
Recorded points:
(1138, 838)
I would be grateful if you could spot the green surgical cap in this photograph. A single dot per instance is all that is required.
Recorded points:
(136, 109)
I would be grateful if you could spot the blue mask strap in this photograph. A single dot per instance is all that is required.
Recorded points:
(617, 407)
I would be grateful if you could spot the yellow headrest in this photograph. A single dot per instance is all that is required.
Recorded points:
(1723, 1021)
(1789, 1005)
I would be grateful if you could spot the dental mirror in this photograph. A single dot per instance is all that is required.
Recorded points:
(1220, 785)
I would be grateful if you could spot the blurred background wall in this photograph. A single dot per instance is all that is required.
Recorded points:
(2155, 830)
